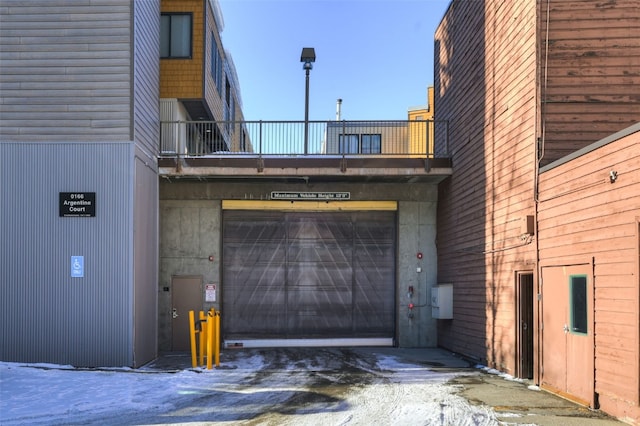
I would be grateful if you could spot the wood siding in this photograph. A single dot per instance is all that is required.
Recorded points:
(183, 78)
(485, 88)
(583, 215)
(589, 65)
(146, 76)
(193, 79)
(65, 70)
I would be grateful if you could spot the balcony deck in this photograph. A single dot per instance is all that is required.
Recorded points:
(327, 151)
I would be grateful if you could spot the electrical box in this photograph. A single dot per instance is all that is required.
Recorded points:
(442, 301)
(527, 225)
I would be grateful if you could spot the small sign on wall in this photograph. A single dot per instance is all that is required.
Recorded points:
(286, 195)
(210, 293)
(77, 266)
(77, 204)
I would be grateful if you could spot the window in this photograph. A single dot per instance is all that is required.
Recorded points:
(243, 141)
(348, 144)
(216, 64)
(578, 301)
(227, 91)
(175, 35)
(360, 144)
(371, 144)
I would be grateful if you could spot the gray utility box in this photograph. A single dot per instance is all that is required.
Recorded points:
(442, 301)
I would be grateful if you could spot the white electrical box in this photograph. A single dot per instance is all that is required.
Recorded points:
(442, 301)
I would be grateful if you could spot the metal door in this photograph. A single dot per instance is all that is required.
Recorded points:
(567, 332)
(186, 295)
(525, 325)
(308, 275)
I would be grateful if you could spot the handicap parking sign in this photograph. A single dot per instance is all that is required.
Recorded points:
(77, 266)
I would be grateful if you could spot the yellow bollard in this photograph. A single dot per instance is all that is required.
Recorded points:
(217, 339)
(210, 329)
(192, 335)
(203, 336)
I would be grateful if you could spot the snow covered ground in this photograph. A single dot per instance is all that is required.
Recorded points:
(308, 387)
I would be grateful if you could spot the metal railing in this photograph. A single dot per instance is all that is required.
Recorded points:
(399, 138)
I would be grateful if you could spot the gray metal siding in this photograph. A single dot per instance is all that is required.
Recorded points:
(65, 70)
(145, 260)
(146, 76)
(45, 314)
(146, 116)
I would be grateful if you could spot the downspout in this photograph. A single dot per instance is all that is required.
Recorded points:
(540, 129)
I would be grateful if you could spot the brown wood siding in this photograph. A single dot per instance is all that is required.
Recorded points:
(583, 215)
(182, 78)
(485, 87)
(591, 78)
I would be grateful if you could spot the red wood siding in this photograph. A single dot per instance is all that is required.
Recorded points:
(583, 215)
(485, 87)
(589, 71)
(505, 85)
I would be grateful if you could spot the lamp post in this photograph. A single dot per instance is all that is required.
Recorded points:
(308, 57)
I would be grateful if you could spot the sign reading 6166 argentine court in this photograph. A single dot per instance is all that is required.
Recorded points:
(77, 204)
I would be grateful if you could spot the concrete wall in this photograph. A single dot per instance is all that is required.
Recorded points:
(416, 234)
(190, 232)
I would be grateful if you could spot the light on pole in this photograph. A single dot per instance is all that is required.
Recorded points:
(308, 57)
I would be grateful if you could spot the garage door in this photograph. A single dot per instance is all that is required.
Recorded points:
(308, 275)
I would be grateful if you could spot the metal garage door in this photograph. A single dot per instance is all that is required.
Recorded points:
(308, 275)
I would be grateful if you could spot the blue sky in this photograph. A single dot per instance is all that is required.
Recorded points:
(377, 55)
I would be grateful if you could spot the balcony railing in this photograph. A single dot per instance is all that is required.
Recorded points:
(391, 138)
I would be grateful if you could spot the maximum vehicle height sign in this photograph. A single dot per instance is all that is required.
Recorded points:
(77, 204)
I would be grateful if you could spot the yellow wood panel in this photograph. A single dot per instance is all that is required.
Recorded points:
(309, 205)
(183, 78)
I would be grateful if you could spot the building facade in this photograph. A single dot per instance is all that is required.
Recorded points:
(79, 120)
(415, 136)
(589, 262)
(525, 84)
(198, 81)
(416, 130)
(288, 266)
(294, 247)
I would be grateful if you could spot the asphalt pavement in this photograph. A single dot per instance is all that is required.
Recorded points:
(514, 402)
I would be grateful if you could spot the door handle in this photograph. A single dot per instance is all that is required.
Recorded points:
(175, 313)
(524, 326)
(565, 329)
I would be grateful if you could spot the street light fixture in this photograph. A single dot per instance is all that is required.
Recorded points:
(308, 57)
